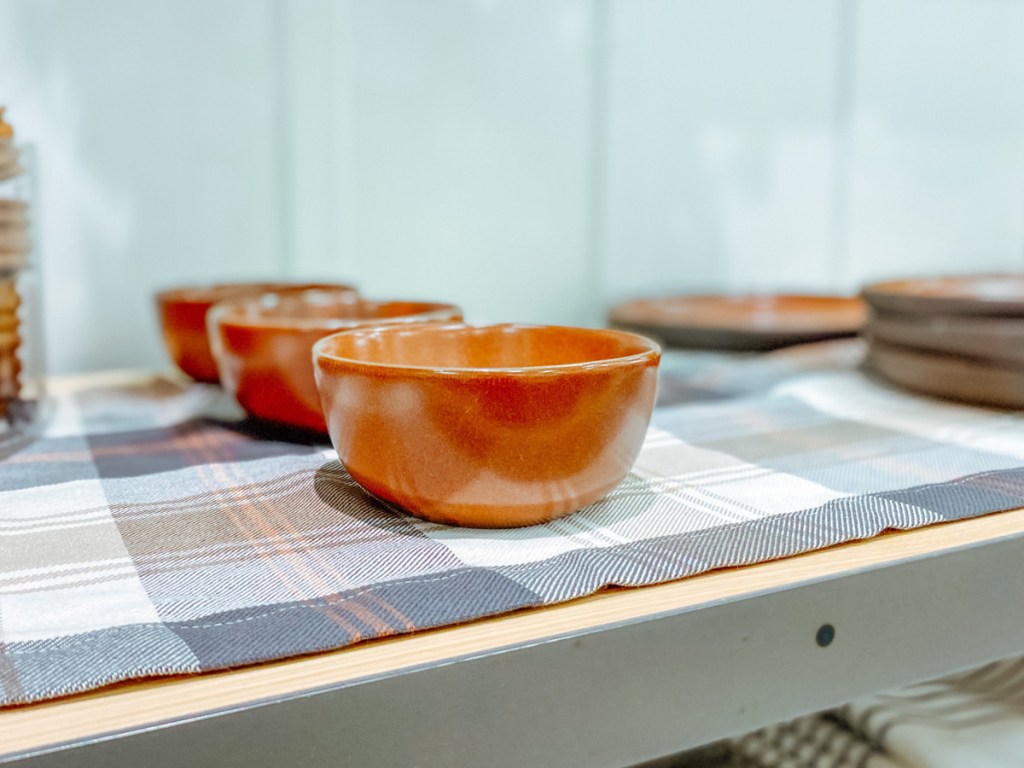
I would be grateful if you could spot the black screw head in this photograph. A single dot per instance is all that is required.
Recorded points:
(826, 634)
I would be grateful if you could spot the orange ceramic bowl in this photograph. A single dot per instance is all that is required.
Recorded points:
(493, 427)
(182, 313)
(263, 345)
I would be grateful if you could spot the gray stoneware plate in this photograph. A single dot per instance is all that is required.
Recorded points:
(999, 295)
(998, 339)
(959, 378)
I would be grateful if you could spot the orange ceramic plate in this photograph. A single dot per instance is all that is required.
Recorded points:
(754, 322)
(496, 426)
(994, 295)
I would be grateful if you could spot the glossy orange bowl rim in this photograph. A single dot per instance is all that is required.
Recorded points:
(228, 312)
(194, 294)
(650, 350)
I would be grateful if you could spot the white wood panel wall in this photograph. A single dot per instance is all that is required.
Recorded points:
(937, 151)
(720, 158)
(461, 167)
(529, 159)
(159, 151)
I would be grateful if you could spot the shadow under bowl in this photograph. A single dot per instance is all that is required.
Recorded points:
(263, 345)
(495, 426)
(182, 314)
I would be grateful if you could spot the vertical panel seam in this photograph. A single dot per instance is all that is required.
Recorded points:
(344, 137)
(283, 154)
(842, 142)
(597, 161)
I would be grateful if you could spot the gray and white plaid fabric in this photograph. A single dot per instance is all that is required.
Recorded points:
(149, 532)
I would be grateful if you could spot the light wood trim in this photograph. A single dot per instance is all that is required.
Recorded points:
(133, 705)
(109, 378)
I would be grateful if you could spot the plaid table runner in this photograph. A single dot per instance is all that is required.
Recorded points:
(150, 531)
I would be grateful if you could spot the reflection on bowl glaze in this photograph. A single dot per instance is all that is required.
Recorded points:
(182, 313)
(263, 345)
(495, 426)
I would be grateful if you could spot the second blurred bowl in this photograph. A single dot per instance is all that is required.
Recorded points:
(263, 345)
(182, 313)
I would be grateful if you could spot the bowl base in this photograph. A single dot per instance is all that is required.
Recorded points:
(486, 515)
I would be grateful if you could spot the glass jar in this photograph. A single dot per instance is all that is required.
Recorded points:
(21, 353)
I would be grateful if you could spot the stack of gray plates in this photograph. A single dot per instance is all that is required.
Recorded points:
(957, 337)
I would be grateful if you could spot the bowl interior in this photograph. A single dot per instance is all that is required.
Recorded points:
(209, 294)
(212, 294)
(486, 347)
(322, 307)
